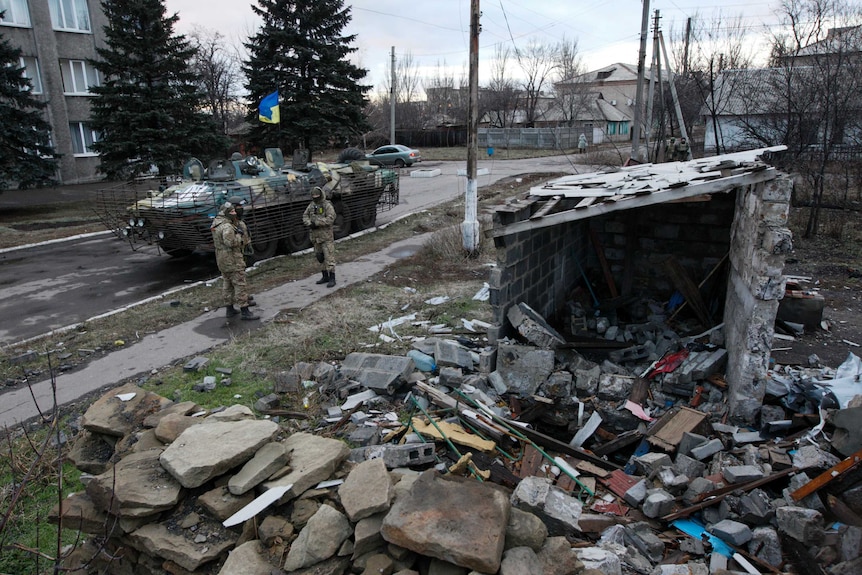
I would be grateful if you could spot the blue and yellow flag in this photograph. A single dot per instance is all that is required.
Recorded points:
(268, 109)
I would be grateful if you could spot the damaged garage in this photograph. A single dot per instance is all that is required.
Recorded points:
(639, 257)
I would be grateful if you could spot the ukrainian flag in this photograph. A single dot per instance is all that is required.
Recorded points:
(268, 109)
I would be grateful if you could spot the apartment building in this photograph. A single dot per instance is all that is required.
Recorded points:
(58, 41)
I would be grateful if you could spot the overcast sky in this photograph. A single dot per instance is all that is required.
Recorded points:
(436, 32)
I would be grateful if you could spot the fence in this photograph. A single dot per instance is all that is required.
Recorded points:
(537, 138)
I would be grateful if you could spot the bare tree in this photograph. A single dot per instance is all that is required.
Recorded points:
(408, 107)
(816, 81)
(219, 71)
(499, 101)
(572, 97)
(537, 61)
(709, 48)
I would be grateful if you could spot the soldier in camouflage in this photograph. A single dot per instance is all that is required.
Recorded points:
(319, 217)
(230, 237)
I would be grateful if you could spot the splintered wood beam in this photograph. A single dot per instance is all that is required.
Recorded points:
(827, 476)
(549, 205)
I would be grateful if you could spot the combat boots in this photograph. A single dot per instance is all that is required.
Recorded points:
(231, 311)
(331, 282)
(246, 314)
(324, 279)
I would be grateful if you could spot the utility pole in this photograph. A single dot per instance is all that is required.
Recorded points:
(470, 226)
(673, 94)
(655, 75)
(392, 93)
(636, 129)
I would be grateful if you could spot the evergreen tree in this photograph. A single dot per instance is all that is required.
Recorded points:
(26, 155)
(301, 52)
(148, 108)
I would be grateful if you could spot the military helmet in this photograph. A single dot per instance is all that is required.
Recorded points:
(316, 192)
(237, 201)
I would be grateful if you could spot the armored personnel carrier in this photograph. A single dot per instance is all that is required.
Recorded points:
(176, 216)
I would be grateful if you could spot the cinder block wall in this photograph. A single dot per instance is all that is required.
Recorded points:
(760, 241)
(637, 242)
(540, 267)
(537, 267)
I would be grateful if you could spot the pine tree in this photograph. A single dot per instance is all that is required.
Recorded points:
(301, 52)
(26, 155)
(148, 108)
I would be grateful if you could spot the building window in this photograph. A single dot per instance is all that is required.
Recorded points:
(624, 127)
(78, 76)
(69, 15)
(16, 13)
(83, 138)
(31, 71)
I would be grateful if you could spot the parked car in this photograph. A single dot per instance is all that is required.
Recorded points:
(394, 155)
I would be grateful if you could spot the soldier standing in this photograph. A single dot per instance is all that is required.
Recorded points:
(230, 239)
(681, 150)
(582, 144)
(670, 150)
(319, 217)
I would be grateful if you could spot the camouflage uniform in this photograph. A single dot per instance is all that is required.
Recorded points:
(681, 150)
(230, 237)
(319, 216)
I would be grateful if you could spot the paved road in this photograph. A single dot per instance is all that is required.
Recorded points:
(52, 286)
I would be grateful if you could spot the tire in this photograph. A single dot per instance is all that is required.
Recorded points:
(264, 249)
(366, 219)
(348, 155)
(296, 242)
(399, 163)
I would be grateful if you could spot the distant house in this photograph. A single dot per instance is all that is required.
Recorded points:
(757, 107)
(603, 101)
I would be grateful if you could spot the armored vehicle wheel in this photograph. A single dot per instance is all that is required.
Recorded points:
(296, 242)
(264, 249)
(366, 218)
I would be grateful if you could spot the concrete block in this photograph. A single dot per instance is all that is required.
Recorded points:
(402, 455)
(533, 327)
(708, 449)
(741, 473)
(426, 173)
(376, 371)
(524, 368)
(636, 493)
(487, 360)
(766, 546)
(652, 462)
(689, 441)
(658, 502)
(450, 354)
(733, 532)
(804, 525)
(614, 387)
(697, 487)
(688, 466)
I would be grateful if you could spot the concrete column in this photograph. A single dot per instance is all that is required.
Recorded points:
(759, 242)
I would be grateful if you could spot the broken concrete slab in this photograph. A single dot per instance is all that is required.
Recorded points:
(386, 373)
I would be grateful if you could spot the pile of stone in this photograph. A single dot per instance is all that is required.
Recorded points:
(524, 457)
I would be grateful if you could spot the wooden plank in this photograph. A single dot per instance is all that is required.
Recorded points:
(827, 476)
(622, 440)
(606, 269)
(689, 289)
(667, 433)
(549, 205)
(530, 462)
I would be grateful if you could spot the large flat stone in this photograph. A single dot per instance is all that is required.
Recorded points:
(203, 452)
(312, 459)
(137, 486)
(458, 521)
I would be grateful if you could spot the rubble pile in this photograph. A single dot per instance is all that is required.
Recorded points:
(520, 458)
